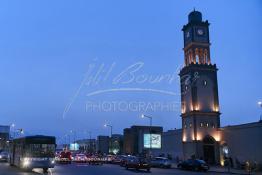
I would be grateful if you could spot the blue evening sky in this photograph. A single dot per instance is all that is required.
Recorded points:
(46, 48)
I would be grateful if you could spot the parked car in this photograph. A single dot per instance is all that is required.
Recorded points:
(193, 164)
(117, 160)
(161, 162)
(80, 158)
(109, 158)
(4, 156)
(123, 161)
(137, 163)
(95, 160)
(65, 157)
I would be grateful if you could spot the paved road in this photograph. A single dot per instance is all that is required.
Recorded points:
(82, 169)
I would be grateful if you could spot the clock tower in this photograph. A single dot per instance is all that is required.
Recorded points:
(199, 93)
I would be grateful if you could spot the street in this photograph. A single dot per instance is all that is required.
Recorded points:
(84, 169)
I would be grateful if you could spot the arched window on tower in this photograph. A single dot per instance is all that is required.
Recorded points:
(205, 57)
(187, 58)
(200, 56)
(190, 56)
(208, 57)
(197, 56)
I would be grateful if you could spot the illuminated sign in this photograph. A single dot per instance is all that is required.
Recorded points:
(155, 141)
(74, 147)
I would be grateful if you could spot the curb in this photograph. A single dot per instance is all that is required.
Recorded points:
(221, 172)
(225, 172)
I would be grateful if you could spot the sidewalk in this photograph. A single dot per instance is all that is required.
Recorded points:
(219, 169)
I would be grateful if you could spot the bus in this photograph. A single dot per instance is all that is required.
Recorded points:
(33, 152)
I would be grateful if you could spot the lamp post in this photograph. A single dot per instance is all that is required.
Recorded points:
(260, 105)
(150, 127)
(67, 141)
(89, 143)
(74, 132)
(111, 128)
(13, 130)
(111, 133)
(150, 118)
(90, 134)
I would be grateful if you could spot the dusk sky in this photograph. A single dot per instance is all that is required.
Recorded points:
(47, 47)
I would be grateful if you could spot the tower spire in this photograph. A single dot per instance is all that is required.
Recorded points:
(196, 40)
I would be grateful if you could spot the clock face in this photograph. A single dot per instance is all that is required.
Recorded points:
(200, 31)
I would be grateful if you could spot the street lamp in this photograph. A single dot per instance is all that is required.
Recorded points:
(89, 142)
(74, 132)
(111, 128)
(150, 118)
(12, 130)
(110, 140)
(260, 105)
(150, 127)
(90, 145)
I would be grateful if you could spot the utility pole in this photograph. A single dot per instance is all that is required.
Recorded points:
(150, 130)
(111, 133)
(260, 105)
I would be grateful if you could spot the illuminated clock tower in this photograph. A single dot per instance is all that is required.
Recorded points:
(199, 93)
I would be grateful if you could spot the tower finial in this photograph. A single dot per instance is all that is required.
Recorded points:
(194, 9)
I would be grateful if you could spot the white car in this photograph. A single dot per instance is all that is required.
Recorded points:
(161, 162)
(4, 156)
(80, 158)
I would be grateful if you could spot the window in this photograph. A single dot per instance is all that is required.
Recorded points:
(201, 124)
(190, 125)
(207, 124)
(205, 82)
(40, 150)
(197, 59)
(213, 125)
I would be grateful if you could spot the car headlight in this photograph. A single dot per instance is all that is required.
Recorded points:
(26, 159)
(52, 160)
(26, 163)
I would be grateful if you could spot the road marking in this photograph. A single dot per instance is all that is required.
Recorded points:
(50, 172)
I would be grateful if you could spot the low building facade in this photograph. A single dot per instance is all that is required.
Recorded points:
(102, 144)
(172, 146)
(242, 144)
(116, 144)
(87, 145)
(142, 140)
(239, 144)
